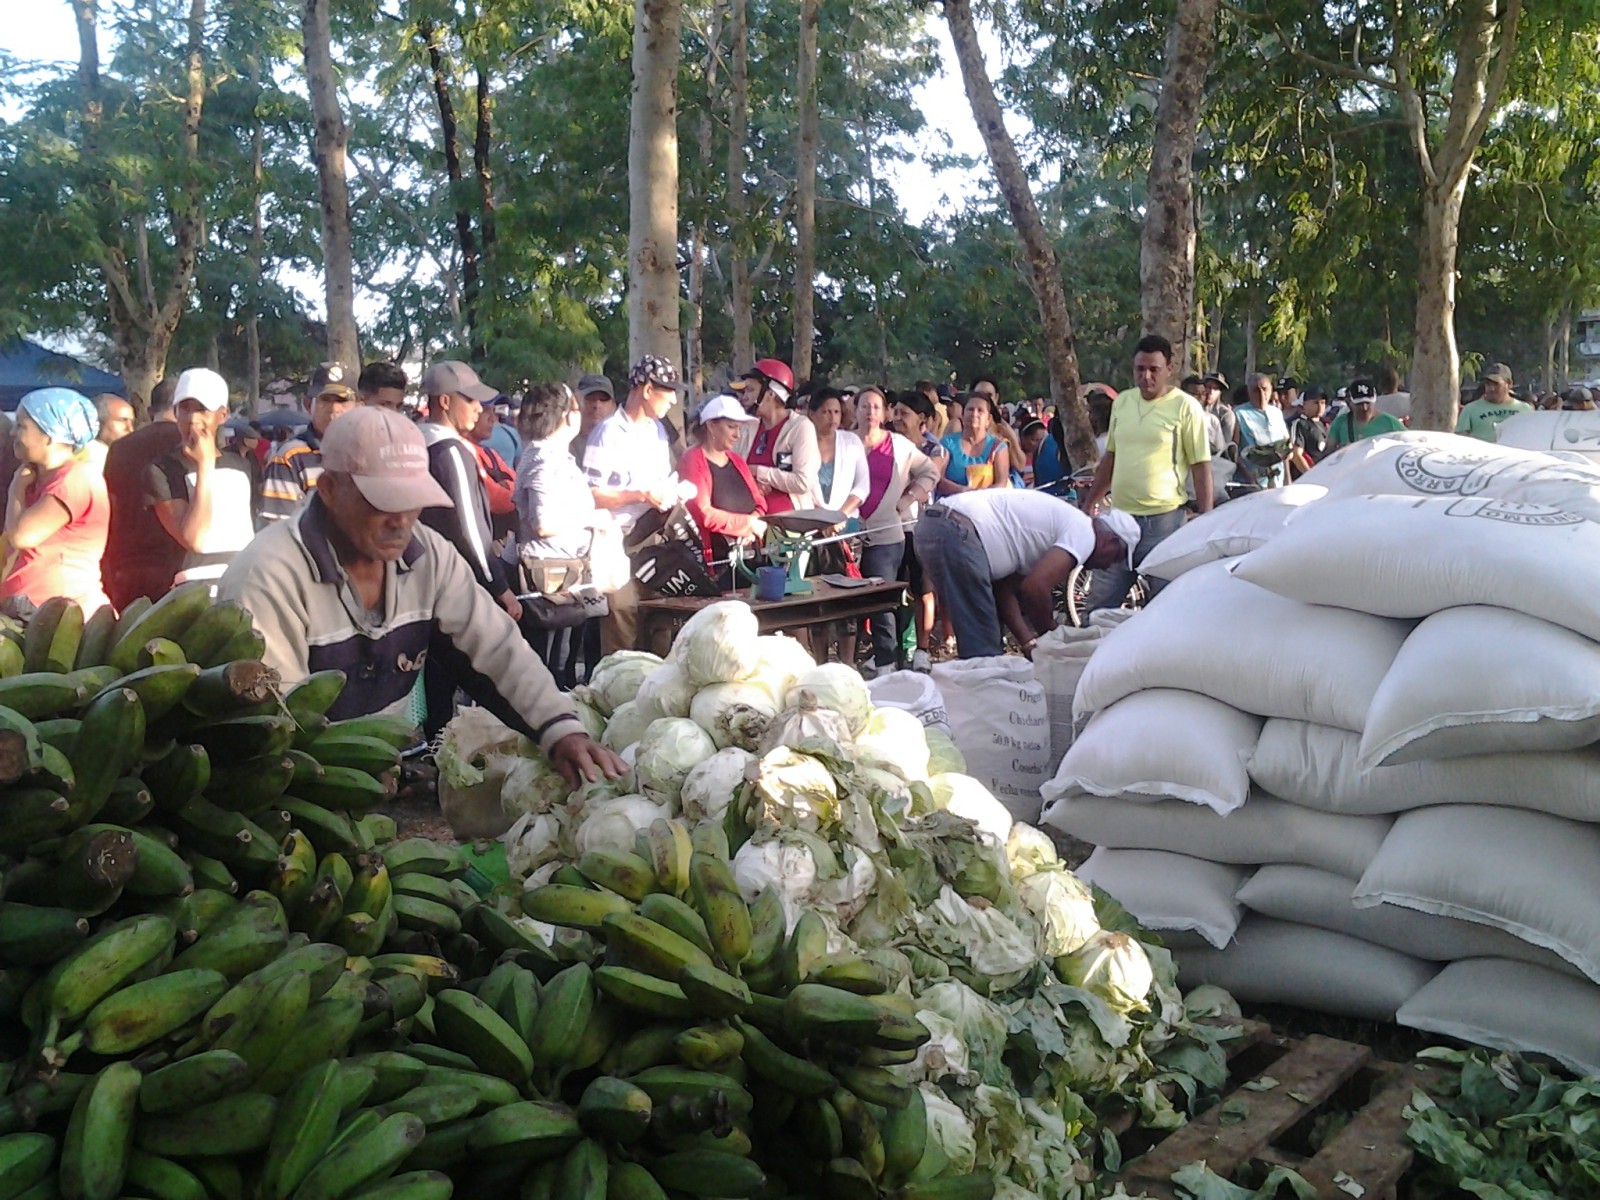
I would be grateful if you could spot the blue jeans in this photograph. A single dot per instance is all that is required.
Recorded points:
(1109, 586)
(954, 562)
(884, 561)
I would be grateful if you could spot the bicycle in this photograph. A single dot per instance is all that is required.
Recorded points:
(1072, 597)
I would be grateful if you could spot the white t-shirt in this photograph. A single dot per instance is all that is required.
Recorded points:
(1016, 527)
(630, 455)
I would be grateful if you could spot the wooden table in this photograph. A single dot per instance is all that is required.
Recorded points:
(825, 603)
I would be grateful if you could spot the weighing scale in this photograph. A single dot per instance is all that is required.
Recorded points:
(789, 542)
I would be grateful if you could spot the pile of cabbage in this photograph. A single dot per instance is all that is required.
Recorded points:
(1051, 1010)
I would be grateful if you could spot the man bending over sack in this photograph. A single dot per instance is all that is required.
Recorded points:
(351, 581)
(1000, 554)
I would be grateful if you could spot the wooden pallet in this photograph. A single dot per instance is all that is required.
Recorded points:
(1282, 1089)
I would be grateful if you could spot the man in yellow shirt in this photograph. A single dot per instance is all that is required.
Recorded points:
(1157, 441)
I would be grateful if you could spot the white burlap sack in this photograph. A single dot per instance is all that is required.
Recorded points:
(1444, 464)
(1511, 1006)
(1211, 633)
(1532, 875)
(1058, 662)
(1167, 892)
(1274, 962)
(1482, 680)
(1265, 830)
(914, 692)
(1162, 744)
(1309, 896)
(1234, 528)
(1315, 765)
(1552, 432)
(999, 722)
(1410, 556)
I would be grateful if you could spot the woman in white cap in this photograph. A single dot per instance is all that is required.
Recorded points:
(57, 514)
(728, 506)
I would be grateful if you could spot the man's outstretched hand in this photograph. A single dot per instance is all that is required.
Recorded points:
(580, 760)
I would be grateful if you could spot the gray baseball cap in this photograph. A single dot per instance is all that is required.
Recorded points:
(596, 383)
(451, 378)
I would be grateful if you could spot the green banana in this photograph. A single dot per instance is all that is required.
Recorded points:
(193, 1081)
(665, 1083)
(714, 992)
(53, 635)
(905, 1138)
(643, 993)
(949, 1187)
(396, 1073)
(583, 1172)
(468, 1026)
(370, 755)
(244, 939)
(632, 1181)
(213, 629)
(160, 688)
(234, 1125)
(709, 1047)
(718, 900)
(21, 749)
(178, 777)
(329, 831)
(862, 1140)
(25, 1160)
(94, 1156)
(772, 1062)
(158, 870)
(397, 731)
(807, 945)
(163, 1179)
(419, 854)
(524, 1132)
(38, 695)
(169, 617)
(572, 907)
(95, 643)
(100, 965)
(314, 695)
(302, 1130)
(348, 788)
(645, 945)
(325, 1032)
(144, 1012)
(708, 1173)
(427, 916)
(363, 1159)
(853, 973)
(615, 1109)
(565, 1006)
(35, 935)
(618, 871)
(413, 1185)
(679, 917)
(435, 1104)
(273, 1022)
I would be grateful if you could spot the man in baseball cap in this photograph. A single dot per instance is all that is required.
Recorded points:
(1362, 419)
(353, 582)
(293, 471)
(1482, 417)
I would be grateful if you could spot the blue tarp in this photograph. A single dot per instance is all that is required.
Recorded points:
(26, 365)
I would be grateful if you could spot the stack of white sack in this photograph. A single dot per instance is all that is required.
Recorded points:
(1356, 768)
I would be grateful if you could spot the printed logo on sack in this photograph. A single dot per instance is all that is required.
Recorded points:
(1436, 472)
(1509, 512)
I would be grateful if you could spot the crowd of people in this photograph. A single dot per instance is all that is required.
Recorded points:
(549, 495)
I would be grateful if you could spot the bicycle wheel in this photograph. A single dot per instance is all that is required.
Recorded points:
(1077, 595)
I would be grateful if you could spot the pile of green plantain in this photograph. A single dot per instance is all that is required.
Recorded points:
(223, 977)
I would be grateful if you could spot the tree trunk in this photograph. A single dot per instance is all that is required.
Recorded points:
(1566, 343)
(1552, 339)
(1046, 273)
(653, 180)
(142, 322)
(805, 186)
(694, 367)
(483, 171)
(739, 246)
(252, 317)
(1252, 337)
(1482, 60)
(881, 317)
(1435, 376)
(330, 140)
(1166, 243)
(465, 238)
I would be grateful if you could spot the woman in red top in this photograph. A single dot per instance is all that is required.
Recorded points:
(727, 504)
(57, 514)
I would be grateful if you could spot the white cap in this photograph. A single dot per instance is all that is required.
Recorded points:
(204, 385)
(1124, 527)
(723, 408)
